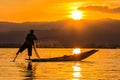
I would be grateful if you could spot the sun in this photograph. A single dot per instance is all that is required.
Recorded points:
(76, 15)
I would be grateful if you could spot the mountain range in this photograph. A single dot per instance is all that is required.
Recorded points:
(63, 33)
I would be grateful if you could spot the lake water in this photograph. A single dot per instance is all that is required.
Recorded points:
(103, 65)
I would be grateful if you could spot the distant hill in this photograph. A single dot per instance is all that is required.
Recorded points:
(8, 26)
(64, 33)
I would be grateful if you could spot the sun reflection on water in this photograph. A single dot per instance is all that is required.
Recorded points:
(76, 72)
(76, 51)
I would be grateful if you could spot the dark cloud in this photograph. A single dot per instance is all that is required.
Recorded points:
(101, 9)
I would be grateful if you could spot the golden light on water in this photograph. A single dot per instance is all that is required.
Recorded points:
(76, 15)
(76, 51)
(77, 72)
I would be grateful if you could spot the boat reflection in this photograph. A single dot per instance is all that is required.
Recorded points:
(76, 72)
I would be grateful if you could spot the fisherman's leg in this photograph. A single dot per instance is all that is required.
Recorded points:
(22, 48)
(29, 51)
(29, 58)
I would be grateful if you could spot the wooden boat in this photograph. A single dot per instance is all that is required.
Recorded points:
(74, 57)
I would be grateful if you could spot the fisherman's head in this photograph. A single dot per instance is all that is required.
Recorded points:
(32, 31)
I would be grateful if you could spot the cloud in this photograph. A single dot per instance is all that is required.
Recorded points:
(105, 9)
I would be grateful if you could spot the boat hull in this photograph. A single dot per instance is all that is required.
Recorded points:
(75, 57)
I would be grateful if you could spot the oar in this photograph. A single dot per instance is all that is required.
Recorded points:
(34, 46)
(15, 58)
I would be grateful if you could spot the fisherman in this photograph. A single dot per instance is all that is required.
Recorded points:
(29, 42)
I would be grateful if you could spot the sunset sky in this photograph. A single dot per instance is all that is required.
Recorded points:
(52, 10)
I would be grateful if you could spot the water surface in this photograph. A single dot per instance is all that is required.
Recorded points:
(103, 65)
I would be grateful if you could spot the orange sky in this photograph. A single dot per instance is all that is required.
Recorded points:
(52, 10)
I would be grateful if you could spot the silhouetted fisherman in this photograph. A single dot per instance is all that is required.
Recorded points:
(29, 42)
